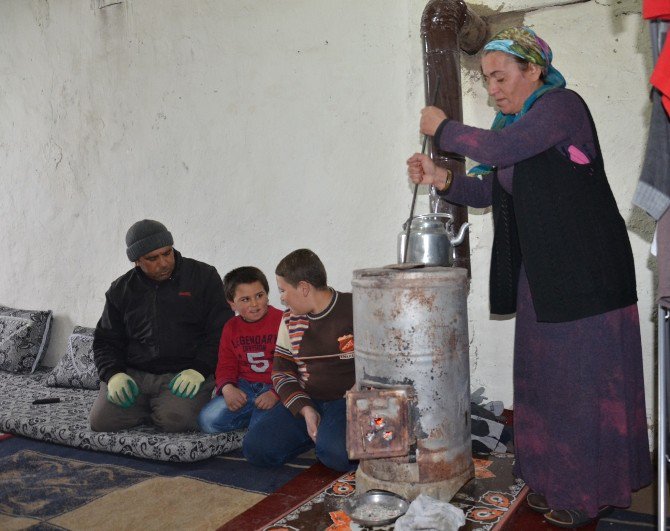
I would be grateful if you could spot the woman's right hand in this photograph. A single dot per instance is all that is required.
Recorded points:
(421, 169)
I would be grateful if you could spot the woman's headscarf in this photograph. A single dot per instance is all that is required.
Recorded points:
(524, 43)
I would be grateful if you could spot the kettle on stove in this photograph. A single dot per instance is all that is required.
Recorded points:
(431, 239)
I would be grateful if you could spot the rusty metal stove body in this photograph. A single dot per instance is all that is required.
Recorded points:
(408, 418)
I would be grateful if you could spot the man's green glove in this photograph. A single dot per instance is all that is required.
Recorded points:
(186, 384)
(122, 390)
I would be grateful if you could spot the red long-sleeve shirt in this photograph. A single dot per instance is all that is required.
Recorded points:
(246, 349)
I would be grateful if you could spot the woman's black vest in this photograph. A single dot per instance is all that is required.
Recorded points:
(562, 222)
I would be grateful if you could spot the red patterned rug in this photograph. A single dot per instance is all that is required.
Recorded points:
(488, 501)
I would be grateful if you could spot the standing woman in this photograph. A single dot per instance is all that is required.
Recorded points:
(562, 261)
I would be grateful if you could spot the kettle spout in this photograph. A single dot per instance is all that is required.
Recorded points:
(457, 240)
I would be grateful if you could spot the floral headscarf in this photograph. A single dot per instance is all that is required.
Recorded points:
(524, 43)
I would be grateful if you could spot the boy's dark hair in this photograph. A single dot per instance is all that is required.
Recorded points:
(243, 275)
(302, 264)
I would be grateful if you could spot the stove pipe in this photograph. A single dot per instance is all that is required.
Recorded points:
(447, 27)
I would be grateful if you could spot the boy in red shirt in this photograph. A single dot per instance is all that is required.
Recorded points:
(244, 391)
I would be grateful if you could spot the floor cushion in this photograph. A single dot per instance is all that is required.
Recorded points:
(66, 422)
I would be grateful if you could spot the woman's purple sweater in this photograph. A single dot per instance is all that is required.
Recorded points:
(558, 118)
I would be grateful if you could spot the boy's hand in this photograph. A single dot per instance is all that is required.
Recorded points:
(312, 419)
(267, 400)
(235, 398)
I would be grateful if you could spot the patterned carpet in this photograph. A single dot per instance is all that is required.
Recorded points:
(47, 486)
(487, 501)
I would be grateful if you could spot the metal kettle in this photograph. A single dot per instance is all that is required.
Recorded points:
(431, 239)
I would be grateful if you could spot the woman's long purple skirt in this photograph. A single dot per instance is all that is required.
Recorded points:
(580, 425)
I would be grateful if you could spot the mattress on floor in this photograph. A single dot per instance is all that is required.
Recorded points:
(66, 422)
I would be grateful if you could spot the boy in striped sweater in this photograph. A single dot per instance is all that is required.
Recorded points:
(313, 368)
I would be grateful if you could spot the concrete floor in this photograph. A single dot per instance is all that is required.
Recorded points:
(645, 500)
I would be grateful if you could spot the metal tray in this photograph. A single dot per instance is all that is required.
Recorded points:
(376, 507)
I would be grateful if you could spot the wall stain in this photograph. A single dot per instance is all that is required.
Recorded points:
(42, 13)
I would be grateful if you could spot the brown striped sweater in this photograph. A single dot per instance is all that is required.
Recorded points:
(314, 355)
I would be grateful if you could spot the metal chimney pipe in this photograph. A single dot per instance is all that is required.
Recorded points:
(447, 27)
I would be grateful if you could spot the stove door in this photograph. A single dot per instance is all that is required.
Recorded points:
(378, 422)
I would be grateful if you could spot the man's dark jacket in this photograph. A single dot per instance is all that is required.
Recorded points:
(161, 327)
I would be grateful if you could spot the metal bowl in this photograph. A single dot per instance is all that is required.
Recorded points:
(376, 507)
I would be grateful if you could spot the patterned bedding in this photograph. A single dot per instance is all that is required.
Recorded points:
(66, 422)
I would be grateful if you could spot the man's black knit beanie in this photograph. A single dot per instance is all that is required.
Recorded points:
(146, 236)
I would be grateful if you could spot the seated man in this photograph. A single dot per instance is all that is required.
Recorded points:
(155, 346)
(313, 368)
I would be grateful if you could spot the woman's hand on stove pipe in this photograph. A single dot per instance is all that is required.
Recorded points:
(431, 118)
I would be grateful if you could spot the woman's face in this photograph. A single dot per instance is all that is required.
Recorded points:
(507, 84)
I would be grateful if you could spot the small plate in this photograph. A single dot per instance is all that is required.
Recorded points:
(376, 507)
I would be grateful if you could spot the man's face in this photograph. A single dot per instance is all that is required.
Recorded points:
(251, 301)
(294, 298)
(158, 265)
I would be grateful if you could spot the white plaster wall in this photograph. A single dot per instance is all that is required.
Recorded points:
(254, 128)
